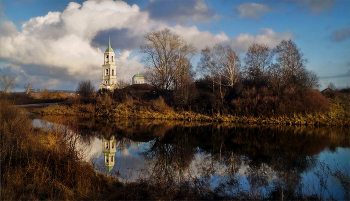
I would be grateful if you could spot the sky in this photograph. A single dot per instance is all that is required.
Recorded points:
(55, 44)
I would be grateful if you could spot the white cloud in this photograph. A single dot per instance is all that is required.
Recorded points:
(61, 42)
(200, 39)
(127, 68)
(7, 28)
(252, 10)
(266, 36)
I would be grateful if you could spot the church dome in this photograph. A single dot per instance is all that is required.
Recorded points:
(109, 49)
(138, 75)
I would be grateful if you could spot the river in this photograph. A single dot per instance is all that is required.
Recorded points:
(231, 158)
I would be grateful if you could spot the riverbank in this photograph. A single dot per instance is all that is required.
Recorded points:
(337, 116)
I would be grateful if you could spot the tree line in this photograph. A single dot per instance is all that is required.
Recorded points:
(168, 63)
(263, 77)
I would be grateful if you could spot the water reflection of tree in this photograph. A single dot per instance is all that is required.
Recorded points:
(268, 154)
(170, 158)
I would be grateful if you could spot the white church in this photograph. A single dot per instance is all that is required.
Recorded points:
(109, 73)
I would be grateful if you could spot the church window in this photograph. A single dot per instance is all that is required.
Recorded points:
(106, 71)
(106, 145)
(106, 159)
(112, 58)
(112, 71)
(112, 145)
(112, 159)
(107, 56)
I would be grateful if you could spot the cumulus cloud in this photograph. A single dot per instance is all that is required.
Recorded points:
(199, 39)
(7, 28)
(252, 10)
(180, 11)
(266, 36)
(69, 45)
(340, 35)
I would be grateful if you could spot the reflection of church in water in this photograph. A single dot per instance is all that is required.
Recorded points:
(109, 148)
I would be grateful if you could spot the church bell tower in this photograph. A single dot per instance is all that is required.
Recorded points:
(109, 74)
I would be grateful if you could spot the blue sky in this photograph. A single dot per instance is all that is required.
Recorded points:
(55, 44)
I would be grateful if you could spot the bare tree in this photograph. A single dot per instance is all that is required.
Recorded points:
(309, 79)
(7, 83)
(257, 61)
(162, 49)
(206, 63)
(292, 64)
(291, 61)
(223, 62)
(85, 88)
(29, 88)
(184, 77)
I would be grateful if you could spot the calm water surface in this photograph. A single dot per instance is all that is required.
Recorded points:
(229, 157)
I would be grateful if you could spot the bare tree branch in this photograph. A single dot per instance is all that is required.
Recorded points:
(7, 83)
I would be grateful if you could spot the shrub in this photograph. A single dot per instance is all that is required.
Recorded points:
(160, 106)
(261, 103)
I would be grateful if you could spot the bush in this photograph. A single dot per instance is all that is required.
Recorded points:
(160, 106)
(261, 103)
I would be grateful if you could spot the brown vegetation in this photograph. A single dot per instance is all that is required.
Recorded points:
(304, 107)
(37, 164)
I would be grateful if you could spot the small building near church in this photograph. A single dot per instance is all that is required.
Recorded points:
(109, 73)
(138, 79)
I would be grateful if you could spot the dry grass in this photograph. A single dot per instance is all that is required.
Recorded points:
(38, 164)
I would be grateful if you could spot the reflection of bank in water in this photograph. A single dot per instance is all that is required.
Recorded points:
(109, 149)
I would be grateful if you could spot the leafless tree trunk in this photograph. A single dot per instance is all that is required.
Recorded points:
(276, 81)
